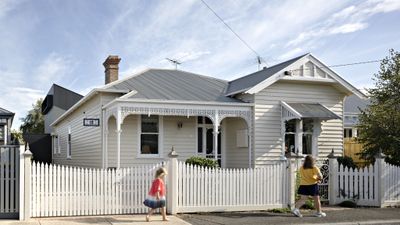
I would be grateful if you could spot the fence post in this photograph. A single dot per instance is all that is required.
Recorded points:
(292, 169)
(27, 183)
(21, 181)
(172, 190)
(333, 178)
(380, 184)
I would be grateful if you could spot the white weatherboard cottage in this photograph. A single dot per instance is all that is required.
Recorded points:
(293, 106)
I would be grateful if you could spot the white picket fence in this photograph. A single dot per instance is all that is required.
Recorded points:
(70, 191)
(9, 181)
(376, 185)
(203, 190)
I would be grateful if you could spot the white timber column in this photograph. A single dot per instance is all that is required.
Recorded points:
(215, 133)
(5, 134)
(299, 136)
(316, 133)
(119, 137)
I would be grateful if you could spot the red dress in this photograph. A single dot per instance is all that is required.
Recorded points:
(151, 200)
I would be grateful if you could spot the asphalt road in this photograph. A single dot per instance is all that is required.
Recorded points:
(334, 216)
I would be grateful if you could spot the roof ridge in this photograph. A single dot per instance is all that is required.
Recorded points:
(67, 89)
(197, 74)
(295, 58)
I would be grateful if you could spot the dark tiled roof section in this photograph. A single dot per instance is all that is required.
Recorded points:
(251, 80)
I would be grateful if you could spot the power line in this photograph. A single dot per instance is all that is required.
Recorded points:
(259, 58)
(342, 65)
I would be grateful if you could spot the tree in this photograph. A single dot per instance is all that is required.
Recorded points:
(33, 123)
(379, 124)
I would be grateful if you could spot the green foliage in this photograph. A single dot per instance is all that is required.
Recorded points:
(348, 204)
(16, 137)
(346, 161)
(309, 204)
(280, 210)
(33, 123)
(201, 161)
(379, 122)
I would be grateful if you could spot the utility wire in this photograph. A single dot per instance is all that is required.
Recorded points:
(342, 65)
(259, 58)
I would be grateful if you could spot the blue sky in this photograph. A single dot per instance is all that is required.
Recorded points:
(65, 42)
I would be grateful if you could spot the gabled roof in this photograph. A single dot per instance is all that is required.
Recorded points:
(243, 84)
(163, 84)
(5, 112)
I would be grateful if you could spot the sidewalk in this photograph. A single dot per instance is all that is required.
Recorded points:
(335, 215)
(106, 220)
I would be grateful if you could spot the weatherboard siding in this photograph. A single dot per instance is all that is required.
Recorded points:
(267, 124)
(183, 139)
(86, 148)
(235, 157)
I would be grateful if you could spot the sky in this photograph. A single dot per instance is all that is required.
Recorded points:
(65, 42)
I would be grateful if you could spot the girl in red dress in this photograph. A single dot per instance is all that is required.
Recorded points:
(156, 196)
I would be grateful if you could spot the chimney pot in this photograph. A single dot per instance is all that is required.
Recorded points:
(111, 68)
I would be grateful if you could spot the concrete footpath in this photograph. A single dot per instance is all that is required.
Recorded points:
(335, 215)
(106, 220)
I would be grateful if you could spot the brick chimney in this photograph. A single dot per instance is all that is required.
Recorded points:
(111, 66)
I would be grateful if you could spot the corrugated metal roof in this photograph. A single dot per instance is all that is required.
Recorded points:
(249, 81)
(175, 85)
(313, 110)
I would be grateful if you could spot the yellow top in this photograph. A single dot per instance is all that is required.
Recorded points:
(309, 176)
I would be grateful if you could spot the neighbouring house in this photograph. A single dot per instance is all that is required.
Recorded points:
(296, 105)
(57, 101)
(352, 106)
(6, 119)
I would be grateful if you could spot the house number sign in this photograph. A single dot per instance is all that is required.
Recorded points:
(91, 122)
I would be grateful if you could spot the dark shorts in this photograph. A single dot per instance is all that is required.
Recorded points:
(154, 204)
(310, 190)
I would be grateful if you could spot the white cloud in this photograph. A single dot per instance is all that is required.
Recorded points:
(348, 20)
(53, 68)
(291, 53)
(348, 28)
(7, 5)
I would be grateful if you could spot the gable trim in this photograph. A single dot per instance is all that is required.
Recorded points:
(336, 78)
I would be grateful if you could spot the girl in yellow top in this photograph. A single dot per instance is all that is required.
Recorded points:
(310, 175)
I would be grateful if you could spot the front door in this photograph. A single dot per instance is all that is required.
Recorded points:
(205, 143)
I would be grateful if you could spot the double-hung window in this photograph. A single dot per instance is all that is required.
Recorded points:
(69, 142)
(149, 136)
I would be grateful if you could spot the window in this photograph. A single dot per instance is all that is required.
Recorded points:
(69, 142)
(1, 133)
(348, 133)
(308, 128)
(58, 145)
(149, 135)
(290, 133)
(55, 144)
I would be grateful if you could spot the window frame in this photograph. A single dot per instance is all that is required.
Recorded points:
(160, 138)
(69, 144)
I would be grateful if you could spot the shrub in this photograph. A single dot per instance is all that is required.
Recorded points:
(280, 210)
(309, 204)
(348, 204)
(346, 162)
(201, 161)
